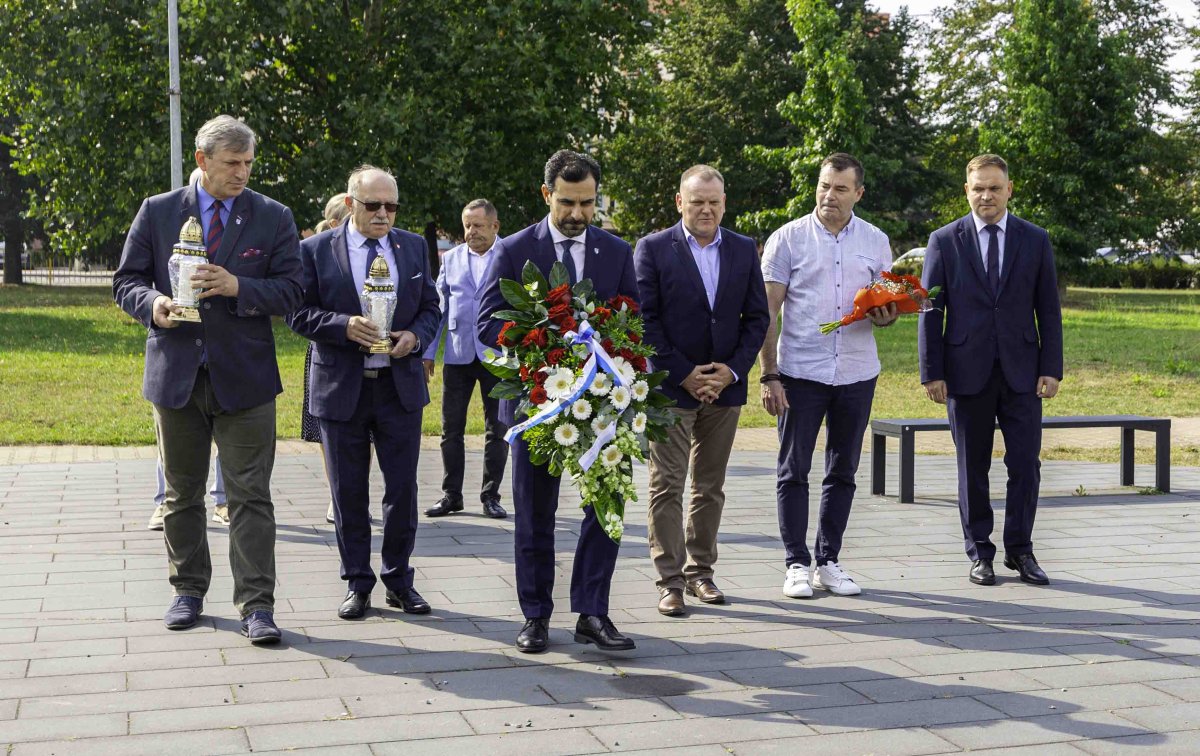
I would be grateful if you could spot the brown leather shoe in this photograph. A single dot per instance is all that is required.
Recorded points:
(671, 602)
(706, 590)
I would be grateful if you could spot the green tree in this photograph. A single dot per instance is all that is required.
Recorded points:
(859, 96)
(710, 80)
(1070, 92)
(458, 98)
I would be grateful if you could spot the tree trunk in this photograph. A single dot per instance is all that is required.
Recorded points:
(12, 229)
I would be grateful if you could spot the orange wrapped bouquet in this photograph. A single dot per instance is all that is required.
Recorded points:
(905, 291)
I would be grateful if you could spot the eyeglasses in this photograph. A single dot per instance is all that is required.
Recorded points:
(373, 207)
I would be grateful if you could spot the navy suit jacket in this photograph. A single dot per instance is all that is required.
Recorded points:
(680, 325)
(608, 262)
(331, 298)
(259, 247)
(959, 342)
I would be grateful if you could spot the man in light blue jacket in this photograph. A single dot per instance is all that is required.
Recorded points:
(459, 285)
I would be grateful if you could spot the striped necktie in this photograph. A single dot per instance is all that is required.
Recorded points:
(215, 230)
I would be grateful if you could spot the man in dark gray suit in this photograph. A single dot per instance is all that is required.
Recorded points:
(216, 379)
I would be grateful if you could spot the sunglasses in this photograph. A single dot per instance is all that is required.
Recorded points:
(373, 207)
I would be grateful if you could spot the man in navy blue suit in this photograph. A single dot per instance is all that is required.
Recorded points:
(359, 398)
(992, 352)
(459, 281)
(565, 235)
(705, 310)
(216, 379)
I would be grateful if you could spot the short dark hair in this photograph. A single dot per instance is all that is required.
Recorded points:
(570, 166)
(841, 161)
(481, 204)
(986, 159)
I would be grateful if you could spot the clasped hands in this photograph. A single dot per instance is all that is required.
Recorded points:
(362, 331)
(706, 382)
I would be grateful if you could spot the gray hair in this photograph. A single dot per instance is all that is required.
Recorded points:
(335, 209)
(225, 132)
(703, 172)
(354, 185)
(481, 204)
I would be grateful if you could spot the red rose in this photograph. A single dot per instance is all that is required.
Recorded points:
(503, 339)
(524, 373)
(639, 363)
(634, 337)
(538, 395)
(621, 300)
(536, 337)
(608, 345)
(627, 354)
(601, 314)
(567, 324)
(554, 356)
(559, 295)
(539, 377)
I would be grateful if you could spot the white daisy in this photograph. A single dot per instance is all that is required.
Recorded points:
(640, 390)
(626, 371)
(559, 383)
(566, 434)
(620, 397)
(611, 456)
(600, 385)
(639, 423)
(600, 422)
(581, 409)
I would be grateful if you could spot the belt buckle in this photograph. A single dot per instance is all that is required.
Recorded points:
(370, 373)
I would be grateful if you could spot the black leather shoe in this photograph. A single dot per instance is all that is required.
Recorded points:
(409, 601)
(492, 509)
(1028, 567)
(982, 572)
(355, 606)
(444, 507)
(602, 632)
(534, 638)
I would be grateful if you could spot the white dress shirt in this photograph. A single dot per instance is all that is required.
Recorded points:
(985, 237)
(578, 248)
(356, 245)
(478, 263)
(708, 261)
(822, 273)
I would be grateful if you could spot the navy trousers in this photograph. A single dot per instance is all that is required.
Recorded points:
(973, 425)
(845, 410)
(535, 502)
(347, 444)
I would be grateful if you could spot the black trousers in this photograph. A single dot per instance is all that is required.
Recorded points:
(458, 383)
(973, 419)
(845, 411)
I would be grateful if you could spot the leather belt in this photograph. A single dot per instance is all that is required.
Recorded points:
(372, 373)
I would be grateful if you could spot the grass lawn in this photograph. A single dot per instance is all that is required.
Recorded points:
(71, 367)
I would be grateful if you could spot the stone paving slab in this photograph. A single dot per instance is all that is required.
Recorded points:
(1104, 660)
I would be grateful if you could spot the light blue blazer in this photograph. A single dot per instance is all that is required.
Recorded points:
(459, 294)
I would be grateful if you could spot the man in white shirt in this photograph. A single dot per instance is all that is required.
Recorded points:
(813, 267)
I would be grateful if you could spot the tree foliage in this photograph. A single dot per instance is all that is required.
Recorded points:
(710, 80)
(859, 96)
(458, 98)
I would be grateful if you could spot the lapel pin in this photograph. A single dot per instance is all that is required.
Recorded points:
(238, 220)
(595, 250)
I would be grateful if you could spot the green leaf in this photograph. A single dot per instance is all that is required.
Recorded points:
(583, 289)
(530, 274)
(656, 378)
(506, 389)
(659, 399)
(514, 293)
(521, 317)
(558, 275)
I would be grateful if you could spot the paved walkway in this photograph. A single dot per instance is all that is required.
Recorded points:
(1106, 659)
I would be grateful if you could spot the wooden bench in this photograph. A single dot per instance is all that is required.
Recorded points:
(906, 429)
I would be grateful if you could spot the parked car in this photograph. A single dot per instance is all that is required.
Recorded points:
(911, 262)
(1143, 253)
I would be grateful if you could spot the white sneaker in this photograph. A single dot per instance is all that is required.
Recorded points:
(329, 514)
(830, 577)
(221, 514)
(795, 584)
(156, 519)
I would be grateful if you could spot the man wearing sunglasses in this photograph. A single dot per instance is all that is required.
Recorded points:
(358, 397)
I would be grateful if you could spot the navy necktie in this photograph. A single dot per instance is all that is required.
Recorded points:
(569, 260)
(372, 253)
(993, 253)
(216, 230)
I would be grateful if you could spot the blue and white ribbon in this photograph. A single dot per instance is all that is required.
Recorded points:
(598, 359)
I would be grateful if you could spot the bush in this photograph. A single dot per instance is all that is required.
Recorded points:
(1157, 274)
